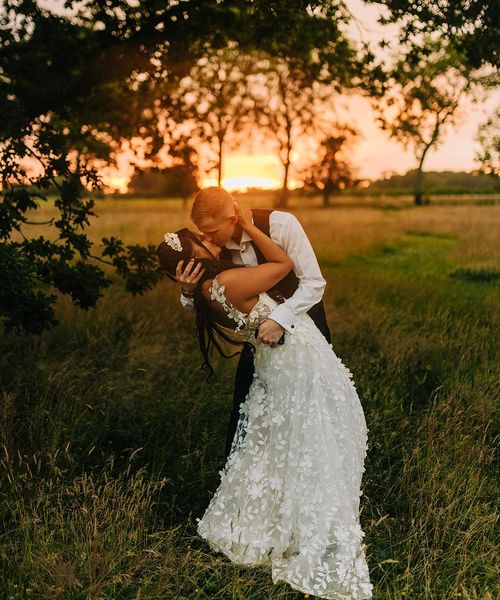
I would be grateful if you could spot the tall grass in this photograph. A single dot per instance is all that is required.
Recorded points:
(112, 440)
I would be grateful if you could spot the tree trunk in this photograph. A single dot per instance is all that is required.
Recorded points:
(418, 194)
(326, 197)
(219, 166)
(284, 192)
(283, 196)
(329, 187)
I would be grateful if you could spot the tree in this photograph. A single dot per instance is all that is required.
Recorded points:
(184, 172)
(288, 109)
(176, 181)
(423, 98)
(58, 106)
(296, 97)
(437, 182)
(472, 28)
(215, 101)
(489, 138)
(150, 182)
(332, 172)
(73, 87)
(292, 105)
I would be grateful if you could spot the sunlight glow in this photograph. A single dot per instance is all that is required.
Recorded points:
(244, 183)
(244, 171)
(117, 182)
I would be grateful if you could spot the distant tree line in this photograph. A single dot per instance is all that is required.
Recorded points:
(177, 181)
(436, 182)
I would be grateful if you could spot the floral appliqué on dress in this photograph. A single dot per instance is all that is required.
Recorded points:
(290, 490)
(245, 323)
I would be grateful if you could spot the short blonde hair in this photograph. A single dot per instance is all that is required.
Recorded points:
(210, 203)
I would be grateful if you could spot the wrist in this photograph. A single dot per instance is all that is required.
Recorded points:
(186, 293)
(249, 228)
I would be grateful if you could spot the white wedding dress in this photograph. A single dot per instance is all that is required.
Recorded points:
(289, 492)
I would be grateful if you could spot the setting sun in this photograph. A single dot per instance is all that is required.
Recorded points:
(243, 172)
(244, 183)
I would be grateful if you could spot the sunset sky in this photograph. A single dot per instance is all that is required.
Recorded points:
(373, 155)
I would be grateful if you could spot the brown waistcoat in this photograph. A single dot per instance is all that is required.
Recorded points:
(287, 286)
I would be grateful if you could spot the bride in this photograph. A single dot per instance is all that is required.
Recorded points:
(289, 492)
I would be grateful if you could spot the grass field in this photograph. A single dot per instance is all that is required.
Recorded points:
(112, 440)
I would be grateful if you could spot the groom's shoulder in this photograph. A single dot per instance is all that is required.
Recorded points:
(274, 214)
(284, 217)
(279, 218)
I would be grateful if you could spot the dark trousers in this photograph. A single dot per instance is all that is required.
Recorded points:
(245, 370)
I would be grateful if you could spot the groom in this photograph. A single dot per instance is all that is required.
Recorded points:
(302, 289)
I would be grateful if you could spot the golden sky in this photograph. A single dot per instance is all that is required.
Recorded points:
(373, 156)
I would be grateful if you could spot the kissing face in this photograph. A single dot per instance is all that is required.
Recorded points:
(206, 249)
(218, 229)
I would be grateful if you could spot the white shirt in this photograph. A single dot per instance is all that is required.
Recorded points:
(286, 230)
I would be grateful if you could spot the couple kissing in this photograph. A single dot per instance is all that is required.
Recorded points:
(296, 442)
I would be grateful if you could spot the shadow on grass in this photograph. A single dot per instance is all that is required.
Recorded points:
(476, 274)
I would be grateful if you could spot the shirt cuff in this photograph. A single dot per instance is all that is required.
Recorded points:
(285, 317)
(186, 302)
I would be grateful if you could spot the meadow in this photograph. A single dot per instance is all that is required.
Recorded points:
(112, 439)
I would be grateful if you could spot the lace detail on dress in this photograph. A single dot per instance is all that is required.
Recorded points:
(246, 323)
(289, 492)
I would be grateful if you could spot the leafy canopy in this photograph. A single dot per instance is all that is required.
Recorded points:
(75, 85)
